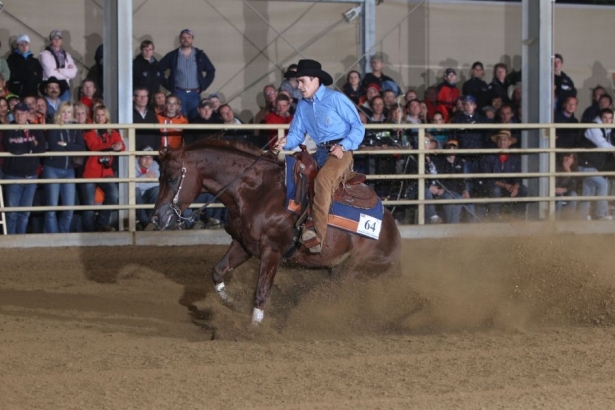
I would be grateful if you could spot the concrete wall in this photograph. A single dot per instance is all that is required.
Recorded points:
(419, 40)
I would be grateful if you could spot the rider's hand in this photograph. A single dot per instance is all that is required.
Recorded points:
(337, 151)
(280, 144)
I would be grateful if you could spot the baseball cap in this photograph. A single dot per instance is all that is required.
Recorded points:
(205, 103)
(450, 71)
(186, 31)
(373, 85)
(23, 38)
(468, 98)
(54, 34)
(377, 56)
(21, 107)
(214, 95)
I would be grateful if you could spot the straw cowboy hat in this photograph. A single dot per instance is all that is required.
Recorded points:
(503, 133)
(312, 68)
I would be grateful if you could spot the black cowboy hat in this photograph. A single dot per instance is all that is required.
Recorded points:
(53, 80)
(312, 68)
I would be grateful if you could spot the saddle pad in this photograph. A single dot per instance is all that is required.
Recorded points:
(365, 222)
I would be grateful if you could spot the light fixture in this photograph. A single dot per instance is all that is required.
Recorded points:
(352, 13)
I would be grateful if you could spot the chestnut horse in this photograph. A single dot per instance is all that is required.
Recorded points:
(251, 186)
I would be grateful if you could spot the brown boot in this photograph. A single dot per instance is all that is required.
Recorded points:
(310, 240)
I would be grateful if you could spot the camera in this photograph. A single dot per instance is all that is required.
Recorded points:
(105, 162)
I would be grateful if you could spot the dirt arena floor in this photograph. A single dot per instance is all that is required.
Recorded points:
(526, 323)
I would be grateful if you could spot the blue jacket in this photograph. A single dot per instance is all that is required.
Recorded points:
(491, 165)
(204, 65)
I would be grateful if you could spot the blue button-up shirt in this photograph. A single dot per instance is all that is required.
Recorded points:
(329, 115)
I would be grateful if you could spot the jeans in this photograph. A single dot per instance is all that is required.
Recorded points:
(594, 186)
(18, 195)
(88, 192)
(518, 208)
(217, 213)
(190, 102)
(59, 193)
(148, 197)
(569, 207)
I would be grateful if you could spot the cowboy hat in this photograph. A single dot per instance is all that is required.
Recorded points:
(503, 133)
(312, 68)
(291, 71)
(53, 80)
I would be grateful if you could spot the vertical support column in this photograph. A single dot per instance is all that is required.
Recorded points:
(537, 68)
(421, 173)
(117, 64)
(368, 33)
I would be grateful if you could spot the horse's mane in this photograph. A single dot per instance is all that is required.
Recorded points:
(232, 146)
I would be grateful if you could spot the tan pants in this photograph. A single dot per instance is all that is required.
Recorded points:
(327, 180)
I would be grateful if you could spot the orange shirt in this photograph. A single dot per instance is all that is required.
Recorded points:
(171, 137)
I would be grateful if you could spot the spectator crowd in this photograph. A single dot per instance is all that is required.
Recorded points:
(175, 90)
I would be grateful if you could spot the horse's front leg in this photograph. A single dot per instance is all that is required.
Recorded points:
(235, 255)
(270, 260)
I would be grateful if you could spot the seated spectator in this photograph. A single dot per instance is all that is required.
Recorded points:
(476, 86)
(402, 137)
(424, 113)
(506, 115)
(34, 116)
(567, 137)
(389, 98)
(448, 94)
(499, 85)
(413, 113)
(291, 85)
(160, 102)
(566, 186)
(52, 89)
(4, 90)
(100, 167)
(591, 112)
(26, 70)
(4, 111)
(61, 167)
(206, 116)
(146, 192)
(564, 86)
(504, 187)
(470, 138)
(87, 92)
(431, 100)
(281, 115)
(145, 71)
(489, 113)
(441, 135)
(371, 90)
(216, 101)
(352, 88)
(41, 107)
(58, 64)
(412, 95)
(18, 142)
(376, 106)
(595, 162)
(378, 77)
(143, 114)
(450, 188)
(172, 138)
(269, 94)
(81, 112)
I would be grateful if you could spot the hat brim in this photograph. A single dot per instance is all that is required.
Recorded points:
(61, 83)
(324, 77)
(495, 137)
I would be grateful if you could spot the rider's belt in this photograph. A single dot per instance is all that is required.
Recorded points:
(189, 90)
(329, 144)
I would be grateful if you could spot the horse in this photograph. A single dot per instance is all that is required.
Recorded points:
(251, 185)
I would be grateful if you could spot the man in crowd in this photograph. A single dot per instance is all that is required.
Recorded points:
(206, 116)
(281, 115)
(58, 64)
(447, 94)
(52, 89)
(564, 86)
(591, 112)
(34, 117)
(145, 69)
(143, 114)
(146, 192)
(377, 76)
(88, 89)
(476, 86)
(498, 88)
(172, 138)
(567, 137)
(190, 73)
(270, 94)
(26, 70)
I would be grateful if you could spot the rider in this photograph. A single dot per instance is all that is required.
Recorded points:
(331, 119)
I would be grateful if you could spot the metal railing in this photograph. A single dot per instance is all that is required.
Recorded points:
(127, 177)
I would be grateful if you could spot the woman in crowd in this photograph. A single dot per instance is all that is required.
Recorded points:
(100, 167)
(352, 88)
(61, 167)
(441, 135)
(82, 113)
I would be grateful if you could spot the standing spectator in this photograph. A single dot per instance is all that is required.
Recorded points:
(61, 167)
(142, 114)
(58, 64)
(564, 86)
(172, 138)
(508, 187)
(281, 115)
(146, 192)
(52, 89)
(145, 70)
(568, 137)
(26, 70)
(470, 138)
(186, 66)
(476, 86)
(498, 89)
(88, 90)
(291, 85)
(377, 76)
(447, 94)
(594, 162)
(5, 70)
(100, 167)
(591, 112)
(20, 142)
(353, 88)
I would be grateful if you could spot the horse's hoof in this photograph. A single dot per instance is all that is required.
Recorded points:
(221, 291)
(257, 316)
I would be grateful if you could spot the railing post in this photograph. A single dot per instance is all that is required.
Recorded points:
(132, 219)
(552, 166)
(421, 173)
(281, 133)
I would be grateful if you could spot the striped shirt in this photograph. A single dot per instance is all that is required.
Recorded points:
(186, 76)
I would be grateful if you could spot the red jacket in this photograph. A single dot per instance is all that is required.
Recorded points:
(447, 95)
(273, 118)
(94, 168)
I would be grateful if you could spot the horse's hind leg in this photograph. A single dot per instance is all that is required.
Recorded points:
(235, 255)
